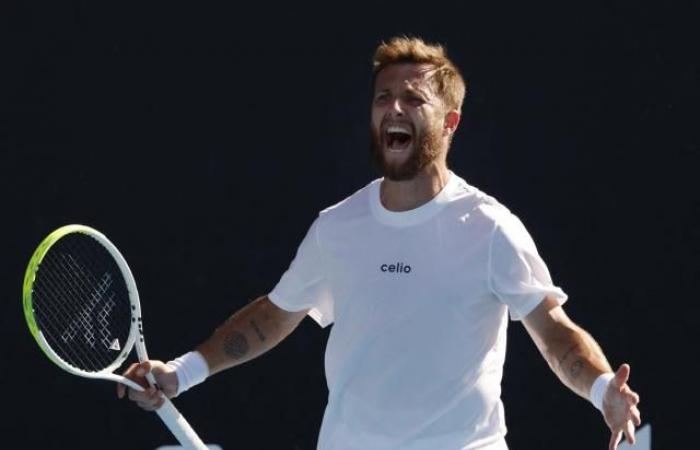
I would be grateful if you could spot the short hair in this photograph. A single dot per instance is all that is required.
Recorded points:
(447, 79)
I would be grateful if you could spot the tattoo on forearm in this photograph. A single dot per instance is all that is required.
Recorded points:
(236, 345)
(259, 332)
(576, 368)
(563, 359)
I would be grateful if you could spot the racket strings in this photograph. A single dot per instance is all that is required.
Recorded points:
(99, 289)
(62, 321)
(62, 288)
(77, 320)
(60, 317)
(82, 303)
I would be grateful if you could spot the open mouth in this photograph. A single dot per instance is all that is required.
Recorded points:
(397, 138)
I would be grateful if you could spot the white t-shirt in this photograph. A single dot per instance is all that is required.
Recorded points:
(419, 303)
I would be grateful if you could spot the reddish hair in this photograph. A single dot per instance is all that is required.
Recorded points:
(447, 79)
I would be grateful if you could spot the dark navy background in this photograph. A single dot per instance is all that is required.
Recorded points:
(204, 139)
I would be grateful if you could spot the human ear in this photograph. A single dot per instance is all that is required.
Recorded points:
(451, 121)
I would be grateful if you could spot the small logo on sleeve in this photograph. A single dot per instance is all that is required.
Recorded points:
(398, 267)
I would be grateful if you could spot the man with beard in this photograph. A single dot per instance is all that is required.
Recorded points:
(418, 272)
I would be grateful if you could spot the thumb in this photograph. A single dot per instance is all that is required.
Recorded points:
(622, 375)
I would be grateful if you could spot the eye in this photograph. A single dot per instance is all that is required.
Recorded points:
(415, 100)
(381, 98)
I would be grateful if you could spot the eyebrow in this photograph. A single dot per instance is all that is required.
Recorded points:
(411, 89)
(418, 92)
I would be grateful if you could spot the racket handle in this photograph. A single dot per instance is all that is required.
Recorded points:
(179, 427)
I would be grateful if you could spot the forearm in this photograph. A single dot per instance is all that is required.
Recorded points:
(576, 358)
(247, 334)
(570, 351)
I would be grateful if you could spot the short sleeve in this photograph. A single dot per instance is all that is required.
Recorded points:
(517, 274)
(304, 285)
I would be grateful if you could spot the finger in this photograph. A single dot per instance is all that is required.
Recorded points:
(161, 400)
(143, 368)
(627, 391)
(147, 406)
(129, 372)
(135, 372)
(636, 416)
(152, 402)
(148, 395)
(622, 375)
(614, 440)
(135, 396)
(632, 397)
(629, 432)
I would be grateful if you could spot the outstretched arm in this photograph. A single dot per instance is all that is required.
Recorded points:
(250, 332)
(578, 361)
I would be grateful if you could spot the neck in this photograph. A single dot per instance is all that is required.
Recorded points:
(410, 194)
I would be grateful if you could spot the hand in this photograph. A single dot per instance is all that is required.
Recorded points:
(152, 398)
(620, 408)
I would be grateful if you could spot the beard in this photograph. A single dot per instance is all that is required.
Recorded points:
(425, 149)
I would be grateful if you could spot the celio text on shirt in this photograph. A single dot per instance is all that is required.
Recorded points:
(398, 267)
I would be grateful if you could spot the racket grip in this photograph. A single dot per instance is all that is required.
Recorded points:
(179, 427)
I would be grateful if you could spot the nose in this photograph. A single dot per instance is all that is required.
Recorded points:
(396, 109)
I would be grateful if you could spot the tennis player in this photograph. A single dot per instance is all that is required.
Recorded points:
(418, 272)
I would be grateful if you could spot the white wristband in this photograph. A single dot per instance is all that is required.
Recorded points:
(600, 385)
(191, 369)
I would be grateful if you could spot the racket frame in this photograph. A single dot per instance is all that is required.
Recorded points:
(167, 412)
(135, 325)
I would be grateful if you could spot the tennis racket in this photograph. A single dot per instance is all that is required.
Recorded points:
(82, 307)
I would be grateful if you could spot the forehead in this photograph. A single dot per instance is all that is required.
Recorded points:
(404, 76)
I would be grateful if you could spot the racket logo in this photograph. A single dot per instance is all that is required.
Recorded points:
(115, 345)
(84, 323)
